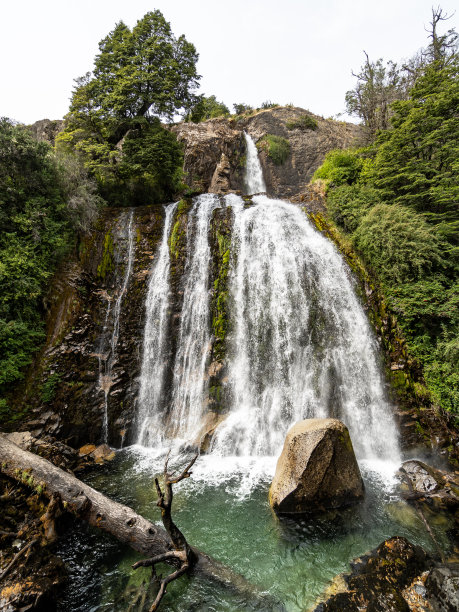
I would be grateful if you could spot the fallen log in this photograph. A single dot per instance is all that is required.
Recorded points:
(119, 520)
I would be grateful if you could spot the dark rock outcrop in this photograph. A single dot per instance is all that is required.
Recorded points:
(377, 580)
(317, 469)
(442, 587)
(46, 130)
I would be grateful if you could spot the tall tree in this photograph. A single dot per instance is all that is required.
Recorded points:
(378, 85)
(139, 77)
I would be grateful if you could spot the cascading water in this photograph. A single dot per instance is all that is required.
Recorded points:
(107, 355)
(302, 346)
(254, 180)
(154, 359)
(187, 397)
(188, 385)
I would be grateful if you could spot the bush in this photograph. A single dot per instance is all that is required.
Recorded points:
(348, 204)
(303, 123)
(340, 167)
(242, 108)
(207, 108)
(277, 148)
(399, 244)
(269, 104)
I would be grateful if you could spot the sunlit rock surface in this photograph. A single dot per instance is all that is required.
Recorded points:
(317, 469)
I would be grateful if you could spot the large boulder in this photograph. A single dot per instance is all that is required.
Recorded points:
(317, 469)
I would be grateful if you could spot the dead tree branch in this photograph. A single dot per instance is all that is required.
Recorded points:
(183, 555)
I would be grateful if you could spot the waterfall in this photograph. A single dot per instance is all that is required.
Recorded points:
(155, 353)
(194, 341)
(112, 315)
(182, 417)
(253, 173)
(302, 346)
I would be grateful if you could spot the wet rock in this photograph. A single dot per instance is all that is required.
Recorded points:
(317, 469)
(437, 488)
(442, 586)
(377, 580)
(422, 477)
(103, 453)
(210, 423)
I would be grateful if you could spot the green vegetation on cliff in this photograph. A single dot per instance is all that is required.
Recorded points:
(277, 148)
(139, 77)
(44, 201)
(397, 198)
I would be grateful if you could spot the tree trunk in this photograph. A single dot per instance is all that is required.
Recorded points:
(120, 521)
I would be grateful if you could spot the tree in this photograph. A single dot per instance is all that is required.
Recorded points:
(378, 85)
(442, 48)
(139, 77)
(207, 108)
(416, 163)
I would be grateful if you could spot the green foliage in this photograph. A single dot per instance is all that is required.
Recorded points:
(348, 204)
(49, 387)
(44, 200)
(303, 123)
(207, 108)
(402, 247)
(139, 76)
(268, 104)
(242, 108)
(340, 167)
(277, 148)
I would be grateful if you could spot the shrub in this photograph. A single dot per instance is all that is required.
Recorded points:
(303, 123)
(348, 204)
(242, 108)
(398, 244)
(269, 104)
(277, 148)
(340, 167)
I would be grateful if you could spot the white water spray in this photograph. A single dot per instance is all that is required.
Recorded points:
(194, 341)
(155, 354)
(254, 180)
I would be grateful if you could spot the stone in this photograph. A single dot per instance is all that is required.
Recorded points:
(442, 586)
(377, 580)
(209, 425)
(422, 476)
(103, 453)
(317, 469)
(220, 182)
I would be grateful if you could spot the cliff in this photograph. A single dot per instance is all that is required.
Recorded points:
(207, 144)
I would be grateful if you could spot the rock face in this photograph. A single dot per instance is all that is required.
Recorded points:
(206, 143)
(317, 469)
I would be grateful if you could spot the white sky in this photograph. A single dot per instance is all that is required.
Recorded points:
(286, 51)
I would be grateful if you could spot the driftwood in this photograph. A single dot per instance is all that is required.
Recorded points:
(183, 554)
(119, 520)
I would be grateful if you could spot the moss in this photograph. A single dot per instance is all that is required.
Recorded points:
(106, 265)
(220, 298)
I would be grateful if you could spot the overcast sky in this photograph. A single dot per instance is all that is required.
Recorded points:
(286, 51)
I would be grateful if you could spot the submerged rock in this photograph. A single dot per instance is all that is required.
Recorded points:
(377, 580)
(317, 469)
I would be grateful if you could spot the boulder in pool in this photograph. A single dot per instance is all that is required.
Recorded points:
(317, 469)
